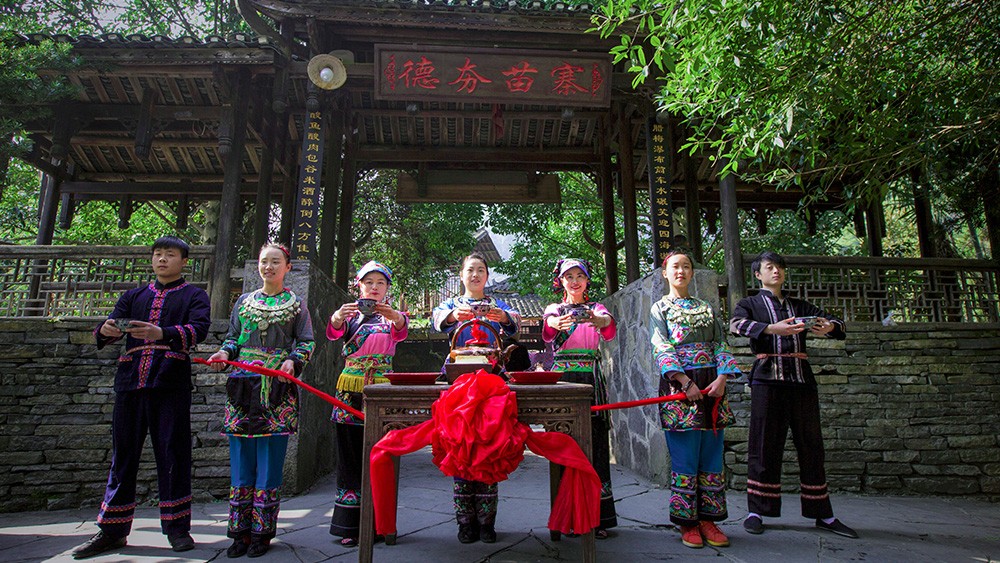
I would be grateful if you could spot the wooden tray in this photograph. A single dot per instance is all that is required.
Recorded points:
(534, 377)
(413, 378)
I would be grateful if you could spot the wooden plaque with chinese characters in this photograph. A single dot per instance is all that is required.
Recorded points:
(434, 73)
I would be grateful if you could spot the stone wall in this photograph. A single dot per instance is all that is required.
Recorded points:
(56, 400)
(905, 409)
(908, 409)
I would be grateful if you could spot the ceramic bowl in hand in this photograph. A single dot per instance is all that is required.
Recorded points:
(808, 321)
(123, 324)
(366, 306)
(480, 309)
(580, 313)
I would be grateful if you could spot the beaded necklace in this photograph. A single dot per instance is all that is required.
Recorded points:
(260, 310)
(688, 311)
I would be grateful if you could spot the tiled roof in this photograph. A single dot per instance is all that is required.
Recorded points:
(530, 306)
(138, 41)
(533, 7)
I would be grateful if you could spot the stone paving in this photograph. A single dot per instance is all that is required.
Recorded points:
(903, 529)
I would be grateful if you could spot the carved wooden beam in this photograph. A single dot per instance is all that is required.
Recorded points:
(144, 129)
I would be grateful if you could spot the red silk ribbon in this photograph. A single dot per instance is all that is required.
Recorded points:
(664, 399)
(475, 434)
(640, 402)
(278, 373)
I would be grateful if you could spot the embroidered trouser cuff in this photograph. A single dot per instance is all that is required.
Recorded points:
(265, 513)
(240, 511)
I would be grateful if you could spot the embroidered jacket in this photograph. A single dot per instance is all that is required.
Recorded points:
(687, 337)
(181, 310)
(752, 315)
(440, 314)
(259, 405)
(582, 335)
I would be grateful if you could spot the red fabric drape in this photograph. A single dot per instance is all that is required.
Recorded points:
(474, 434)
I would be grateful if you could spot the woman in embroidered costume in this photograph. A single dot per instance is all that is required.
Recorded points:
(475, 502)
(575, 339)
(690, 352)
(269, 327)
(369, 344)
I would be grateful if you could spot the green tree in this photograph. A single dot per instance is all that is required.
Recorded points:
(420, 241)
(545, 233)
(852, 93)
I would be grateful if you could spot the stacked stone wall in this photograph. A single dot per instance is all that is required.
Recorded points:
(907, 409)
(57, 397)
(56, 400)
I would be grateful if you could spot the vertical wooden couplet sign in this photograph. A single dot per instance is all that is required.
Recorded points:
(306, 219)
(661, 208)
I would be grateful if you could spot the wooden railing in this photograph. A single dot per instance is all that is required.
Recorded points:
(80, 281)
(913, 290)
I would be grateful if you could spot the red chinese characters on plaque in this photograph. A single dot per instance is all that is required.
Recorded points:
(405, 72)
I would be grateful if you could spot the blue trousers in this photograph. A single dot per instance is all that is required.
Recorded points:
(255, 466)
(697, 484)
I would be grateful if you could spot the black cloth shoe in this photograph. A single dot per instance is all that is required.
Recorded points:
(239, 547)
(181, 542)
(838, 528)
(467, 533)
(100, 543)
(258, 548)
(754, 525)
(488, 534)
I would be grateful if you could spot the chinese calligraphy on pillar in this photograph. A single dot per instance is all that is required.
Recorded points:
(435, 73)
(661, 208)
(306, 216)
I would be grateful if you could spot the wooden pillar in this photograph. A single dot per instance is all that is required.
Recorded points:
(626, 172)
(183, 212)
(610, 246)
(288, 192)
(924, 217)
(332, 175)
(692, 207)
(286, 151)
(990, 190)
(222, 261)
(735, 274)
(346, 220)
(48, 211)
(262, 203)
(873, 228)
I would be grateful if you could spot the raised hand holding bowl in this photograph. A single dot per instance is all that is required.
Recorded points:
(366, 306)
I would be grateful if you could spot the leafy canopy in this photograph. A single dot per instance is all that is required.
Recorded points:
(857, 92)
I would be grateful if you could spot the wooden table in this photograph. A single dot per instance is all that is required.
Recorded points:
(563, 407)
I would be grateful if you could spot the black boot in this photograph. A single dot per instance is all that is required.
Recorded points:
(486, 514)
(468, 529)
(239, 547)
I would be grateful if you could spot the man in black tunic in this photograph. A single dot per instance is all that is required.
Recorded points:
(165, 320)
(784, 395)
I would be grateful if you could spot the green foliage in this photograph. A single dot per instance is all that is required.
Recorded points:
(545, 233)
(94, 222)
(172, 18)
(853, 93)
(420, 242)
(21, 87)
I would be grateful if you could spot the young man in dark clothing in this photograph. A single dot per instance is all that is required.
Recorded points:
(161, 322)
(784, 395)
